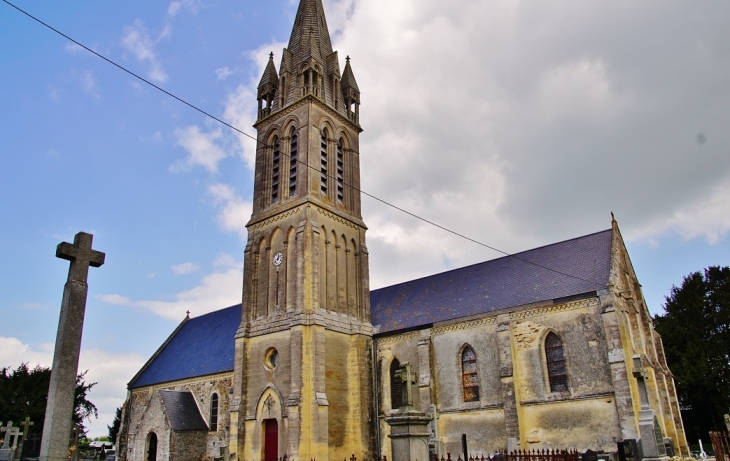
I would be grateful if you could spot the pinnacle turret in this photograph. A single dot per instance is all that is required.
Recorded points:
(309, 66)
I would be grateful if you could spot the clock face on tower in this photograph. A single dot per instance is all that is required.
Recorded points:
(278, 258)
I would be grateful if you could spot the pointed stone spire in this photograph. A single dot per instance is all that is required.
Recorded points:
(267, 88)
(270, 77)
(348, 78)
(310, 20)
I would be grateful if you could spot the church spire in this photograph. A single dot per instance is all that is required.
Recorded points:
(310, 20)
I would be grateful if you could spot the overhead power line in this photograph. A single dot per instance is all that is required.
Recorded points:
(237, 130)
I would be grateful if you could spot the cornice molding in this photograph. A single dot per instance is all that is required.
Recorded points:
(308, 98)
(553, 308)
(464, 325)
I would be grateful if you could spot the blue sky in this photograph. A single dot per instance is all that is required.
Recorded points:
(515, 123)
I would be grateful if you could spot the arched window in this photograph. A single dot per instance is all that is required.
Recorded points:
(151, 454)
(469, 377)
(293, 150)
(555, 359)
(396, 388)
(214, 412)
(323, 160)
(275, 171)
(340, 172)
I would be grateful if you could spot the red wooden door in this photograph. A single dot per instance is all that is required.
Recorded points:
(271, 440)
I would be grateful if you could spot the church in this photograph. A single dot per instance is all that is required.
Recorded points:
(549, 348)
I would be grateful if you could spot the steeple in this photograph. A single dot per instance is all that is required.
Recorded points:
(308, 66)
(310, 20)
(302, 387)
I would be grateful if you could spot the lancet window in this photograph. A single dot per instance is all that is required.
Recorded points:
(276, 160)
(323, 162)
(396, 388)
(469, 376)
(214, 412)
(555, 359)
(340, 172)
(293, 162)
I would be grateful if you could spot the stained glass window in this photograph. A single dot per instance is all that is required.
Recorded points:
(469, 375)
(214, 412)
(556, 363)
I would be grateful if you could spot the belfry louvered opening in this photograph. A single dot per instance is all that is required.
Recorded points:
(293, 151)
(340, 172)
(323, 162)
(275, 164)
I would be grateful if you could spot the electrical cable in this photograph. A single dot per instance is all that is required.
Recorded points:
(258, 142)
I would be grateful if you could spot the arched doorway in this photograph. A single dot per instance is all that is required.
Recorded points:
(271, 440)
(151, 454)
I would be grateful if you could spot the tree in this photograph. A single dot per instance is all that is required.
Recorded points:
(114, 428)
(695, 330)
(24, 392)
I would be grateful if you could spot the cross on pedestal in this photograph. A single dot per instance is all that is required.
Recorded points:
(60, 404)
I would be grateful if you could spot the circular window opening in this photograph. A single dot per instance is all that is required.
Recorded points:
(272, 359)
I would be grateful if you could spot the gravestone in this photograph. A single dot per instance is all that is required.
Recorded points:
(409, 431)
(61, 392)
(7, 451)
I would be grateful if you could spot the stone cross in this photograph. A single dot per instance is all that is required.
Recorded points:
(408, 379)
(26, 425)
(8, 430)
(60, 404)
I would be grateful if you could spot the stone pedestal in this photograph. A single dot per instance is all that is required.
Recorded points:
(652, 439)
(409, 435)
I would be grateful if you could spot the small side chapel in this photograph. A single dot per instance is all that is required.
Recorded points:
(550, 348)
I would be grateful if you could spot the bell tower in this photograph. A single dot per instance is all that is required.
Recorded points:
(303, 370)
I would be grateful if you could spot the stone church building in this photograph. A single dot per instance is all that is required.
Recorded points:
(549, 348)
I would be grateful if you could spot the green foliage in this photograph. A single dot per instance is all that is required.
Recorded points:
(114, 428)
(695, 330)
(24, 391)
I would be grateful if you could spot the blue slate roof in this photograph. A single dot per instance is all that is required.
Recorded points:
(200, 346)
(182, 411)
(501, 283)
(204, 345)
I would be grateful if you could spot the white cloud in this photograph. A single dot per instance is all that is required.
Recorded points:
(223, 73)
(233, 211)
(137, 40)
(185, 268)
(219, 288)
(202, 149)
(111, 372)
(707, 218)
(88, 83)
(177, 5)
(530, 123)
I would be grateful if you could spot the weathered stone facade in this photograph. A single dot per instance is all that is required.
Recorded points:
(600, 333)
(145, 414)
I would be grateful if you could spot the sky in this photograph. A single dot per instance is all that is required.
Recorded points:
(515, 123)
